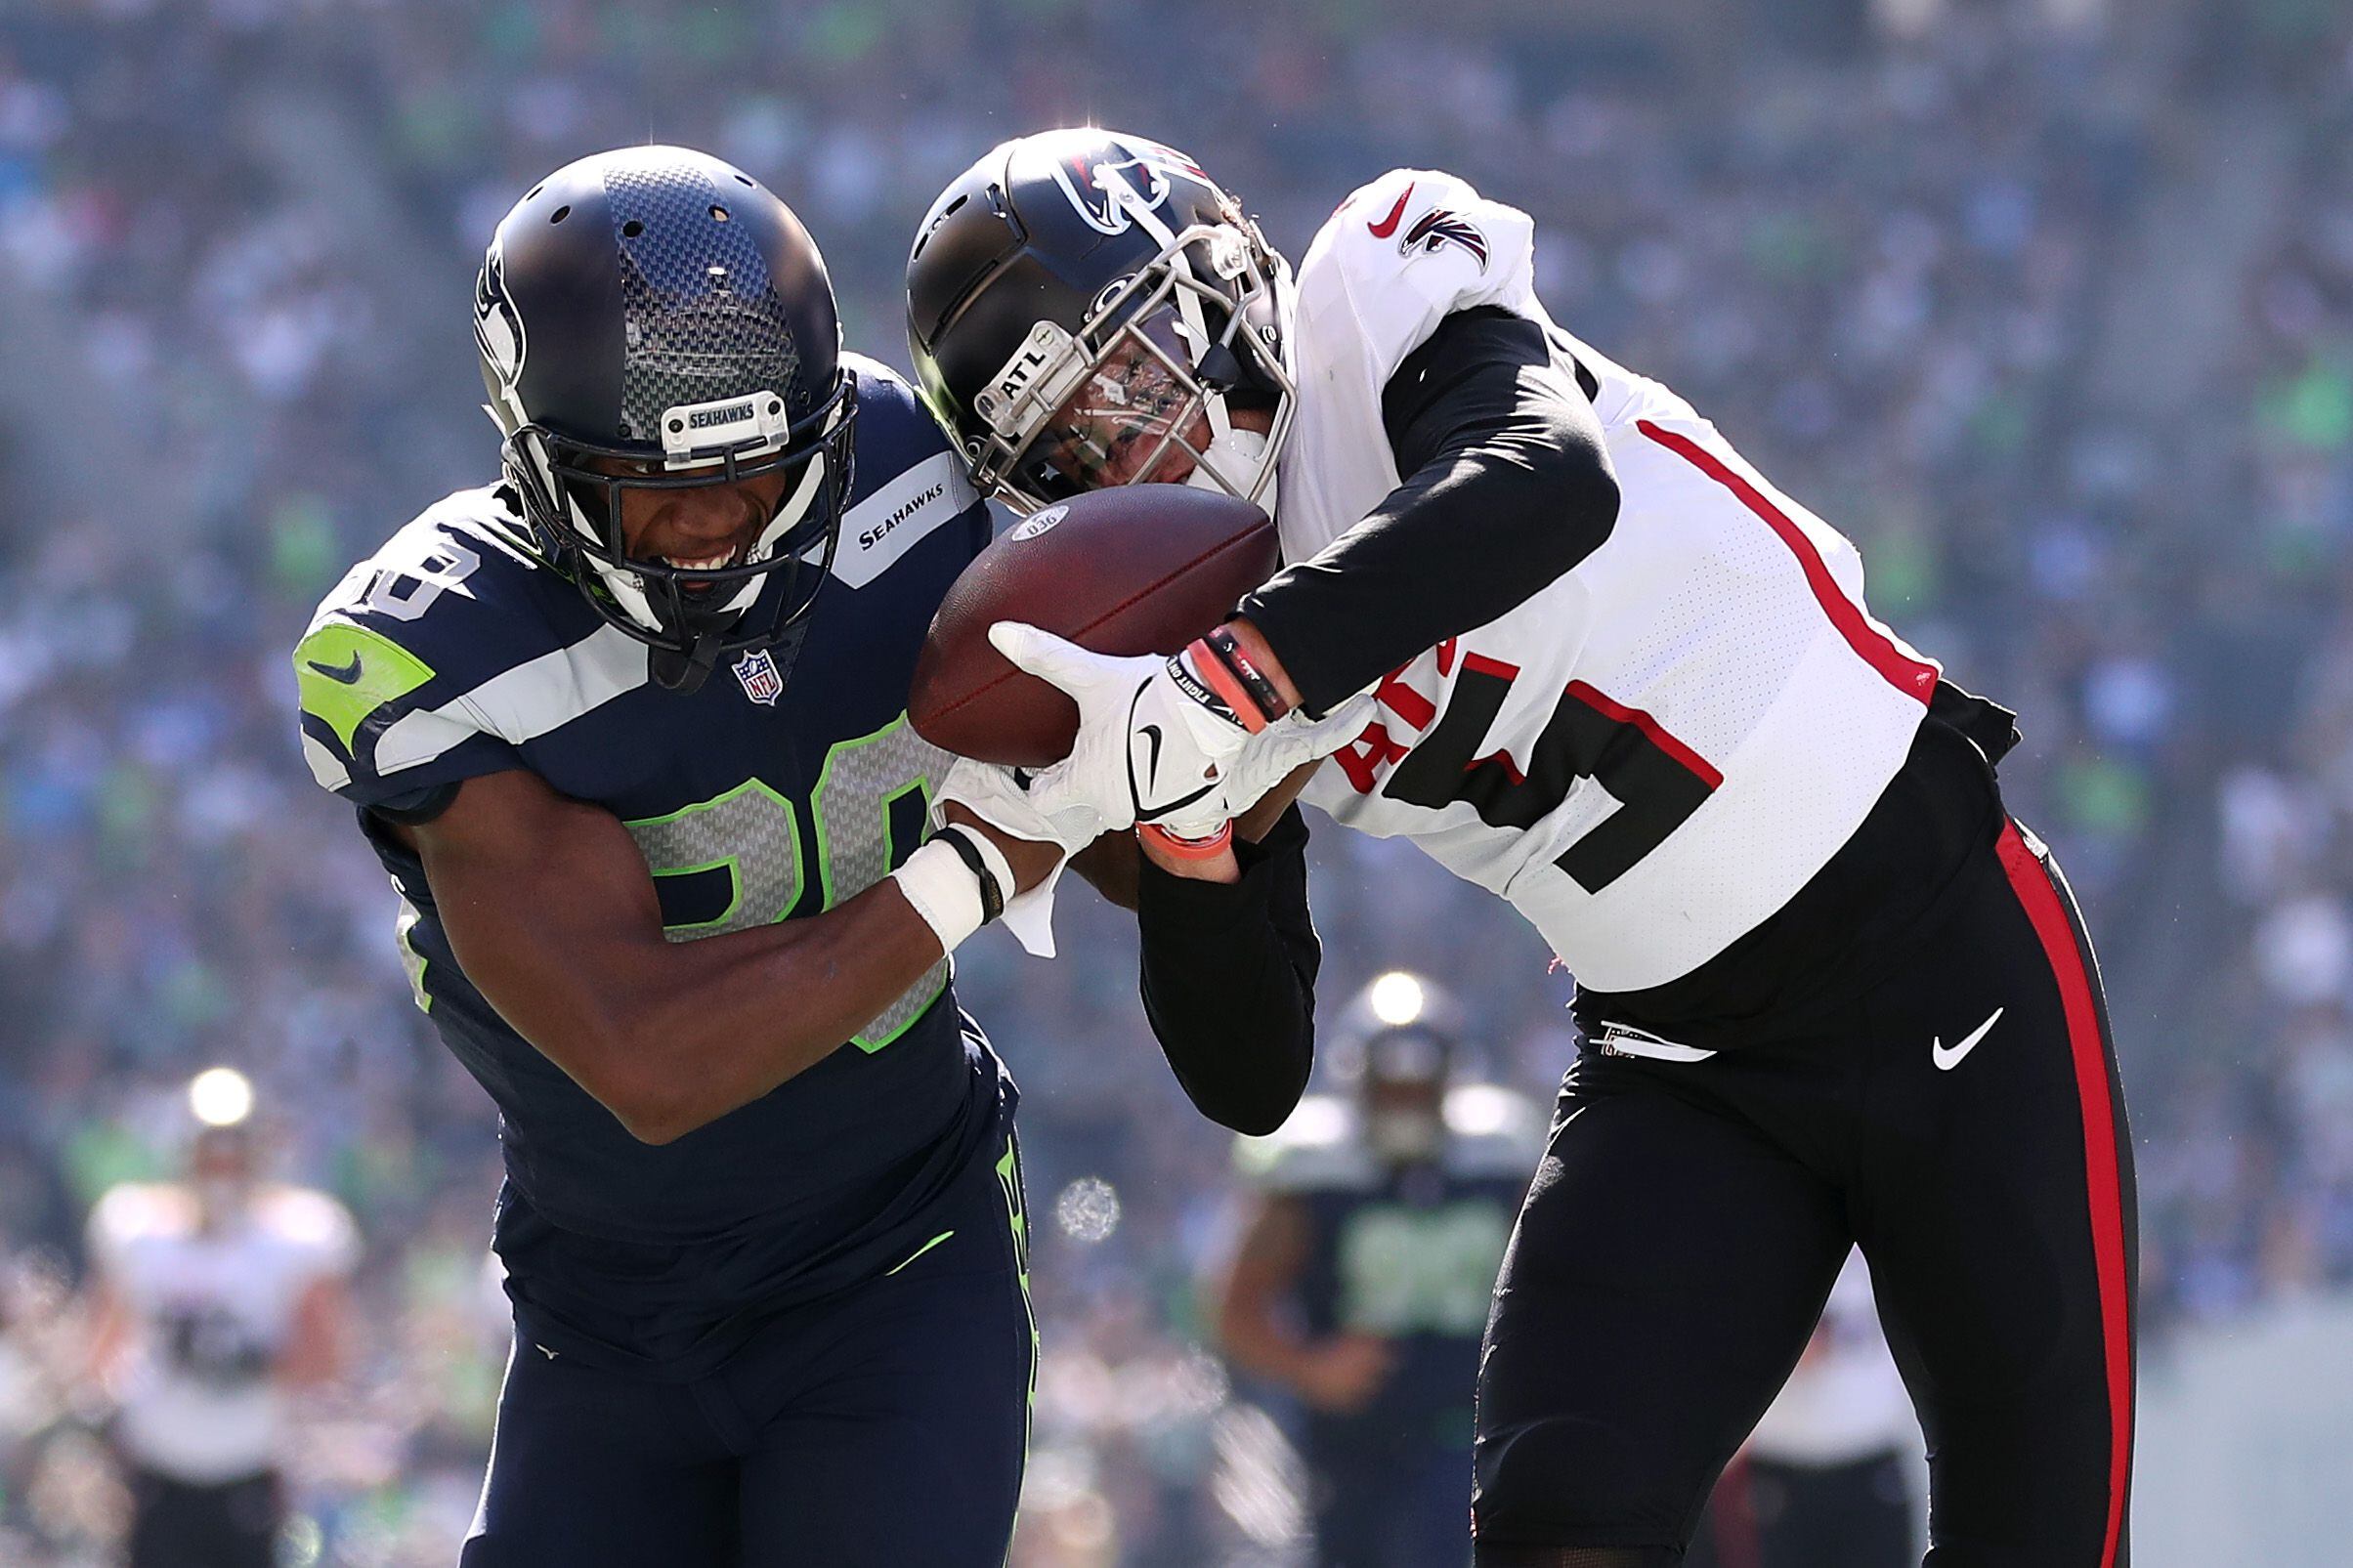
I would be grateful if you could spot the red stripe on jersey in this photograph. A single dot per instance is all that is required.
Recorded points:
(2101, 1163)
(1913, 677)
(1692, 762)
(1481, 664)
(1498, 759)
(1403, 701)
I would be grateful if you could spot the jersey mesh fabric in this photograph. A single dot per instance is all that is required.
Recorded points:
(1714, 628)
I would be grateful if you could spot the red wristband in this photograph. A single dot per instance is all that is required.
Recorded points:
(1219, 662)
(1190, 849)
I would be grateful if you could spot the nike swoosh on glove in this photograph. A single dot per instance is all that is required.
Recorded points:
(997, 797)
(1154, 742)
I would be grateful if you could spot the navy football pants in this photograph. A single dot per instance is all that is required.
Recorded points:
(1407, 1509)
(1688, 1218)
(879, 1428)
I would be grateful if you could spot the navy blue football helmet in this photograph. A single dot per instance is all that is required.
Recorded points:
(1081, 298)
(660, 309)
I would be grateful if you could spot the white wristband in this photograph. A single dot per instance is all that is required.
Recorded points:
(942, 890)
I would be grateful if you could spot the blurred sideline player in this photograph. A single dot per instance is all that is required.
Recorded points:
(1826, 1479)
(213, 1298)
(626, 729)
(1828, 1484)
(1552, 629)
(1363, 1277)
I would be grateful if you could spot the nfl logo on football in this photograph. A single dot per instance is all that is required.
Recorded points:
(758, 671)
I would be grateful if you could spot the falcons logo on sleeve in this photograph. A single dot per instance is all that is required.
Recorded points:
(1441, 226)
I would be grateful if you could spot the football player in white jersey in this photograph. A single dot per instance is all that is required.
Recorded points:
(1541, 619)
(213, 1297)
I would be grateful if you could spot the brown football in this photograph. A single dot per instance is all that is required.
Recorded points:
(1142, 569)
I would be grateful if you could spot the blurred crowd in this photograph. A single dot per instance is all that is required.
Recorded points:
(2048, 303)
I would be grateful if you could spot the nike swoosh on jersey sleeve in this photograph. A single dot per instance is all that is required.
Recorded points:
(345, 672)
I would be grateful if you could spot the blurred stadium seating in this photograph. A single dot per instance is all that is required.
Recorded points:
(2048, 303)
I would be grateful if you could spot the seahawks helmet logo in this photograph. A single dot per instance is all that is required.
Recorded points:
(1105, 194)
(497, 325)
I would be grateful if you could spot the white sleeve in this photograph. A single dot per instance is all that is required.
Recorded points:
(113, 1219)
(1399, 255)
(318, 1230)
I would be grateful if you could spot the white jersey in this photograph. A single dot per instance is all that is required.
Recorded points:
(1653, 753)
(212, 1313)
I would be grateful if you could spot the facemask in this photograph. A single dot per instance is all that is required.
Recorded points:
(219, 1198)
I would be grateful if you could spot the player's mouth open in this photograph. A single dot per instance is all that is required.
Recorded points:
(714, 563)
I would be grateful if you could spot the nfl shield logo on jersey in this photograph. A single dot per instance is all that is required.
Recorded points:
(758, 671)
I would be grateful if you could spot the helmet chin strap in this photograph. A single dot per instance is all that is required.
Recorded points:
(684, 671)
(1232, 459)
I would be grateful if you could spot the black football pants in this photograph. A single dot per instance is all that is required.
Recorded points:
(1960, 1120)
(186, 1524)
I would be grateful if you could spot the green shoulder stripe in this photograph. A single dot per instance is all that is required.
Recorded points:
(346, 672)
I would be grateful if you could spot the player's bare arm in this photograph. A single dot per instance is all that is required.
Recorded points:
(317, 1336)
(1252, 1315)
(552, 912)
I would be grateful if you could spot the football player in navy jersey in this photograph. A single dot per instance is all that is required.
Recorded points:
(626, 729)
(1360, 1285)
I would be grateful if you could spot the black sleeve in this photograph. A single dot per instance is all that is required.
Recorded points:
(1230, 979)
(1508, 485)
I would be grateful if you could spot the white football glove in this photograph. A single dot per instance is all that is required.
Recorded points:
(993, 795)
(1291, 743)
(1154, 743)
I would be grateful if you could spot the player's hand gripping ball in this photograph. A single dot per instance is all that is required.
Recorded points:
(1142, 569)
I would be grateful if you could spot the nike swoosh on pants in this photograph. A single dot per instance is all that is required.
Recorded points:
(1948, 1059)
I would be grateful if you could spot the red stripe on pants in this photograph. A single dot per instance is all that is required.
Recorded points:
(2033, 886)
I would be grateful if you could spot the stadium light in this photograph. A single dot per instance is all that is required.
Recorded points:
(1398, 999)
(221, 1096)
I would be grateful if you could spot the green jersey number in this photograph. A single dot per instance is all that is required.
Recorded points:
(1406, 1270)
(753, 834)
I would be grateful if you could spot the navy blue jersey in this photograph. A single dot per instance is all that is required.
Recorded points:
(1411, 1257)
(787, 782)
(1408, 1254)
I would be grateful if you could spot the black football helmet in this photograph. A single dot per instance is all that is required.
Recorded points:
(1401, 1040)
(1083, 304)
(662, 309)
